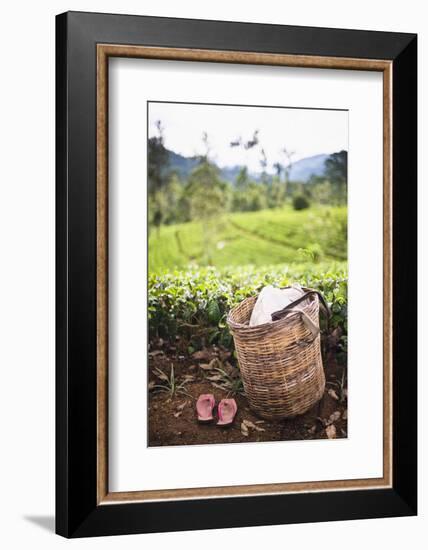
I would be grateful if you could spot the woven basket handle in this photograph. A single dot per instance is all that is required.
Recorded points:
(283, 312)
(305, 318)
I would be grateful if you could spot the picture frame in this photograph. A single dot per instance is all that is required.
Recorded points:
(84, 44)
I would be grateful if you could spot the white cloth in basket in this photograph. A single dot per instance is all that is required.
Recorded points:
(270, 300)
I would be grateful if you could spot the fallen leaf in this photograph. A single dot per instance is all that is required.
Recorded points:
(219, 386)
(313, 429)
(202, 354)
(215, 363)
(160, 374)
(215, 378)
(181, 407)
(260, 421)
(331, 431)
(333, 418)
(188, 378)
(205, 366)
(244, 429)
(345, 414)
(178, 413)
(253, 426)
(333, 394)
(249, 424)
(152, 384)
(156, 352)
(232, 371)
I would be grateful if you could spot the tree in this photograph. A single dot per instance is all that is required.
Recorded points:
(157, 175)
(206, 192)
(242, 179)
(263, 163)
(253, 141)
(173, 192)
(255, 197)
(207, 199)
(287, 168)
(321, 190)
(276, 193)
(278, 169)
(336, 171)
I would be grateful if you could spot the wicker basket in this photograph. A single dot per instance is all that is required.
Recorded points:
(280, 362)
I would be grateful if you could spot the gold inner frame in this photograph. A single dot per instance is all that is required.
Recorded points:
(104, 51)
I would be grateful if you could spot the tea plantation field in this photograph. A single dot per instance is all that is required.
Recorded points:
(266, 237)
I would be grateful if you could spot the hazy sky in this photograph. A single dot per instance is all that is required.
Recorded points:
(306, 132)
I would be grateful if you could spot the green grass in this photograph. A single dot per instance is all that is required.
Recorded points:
(267, 237)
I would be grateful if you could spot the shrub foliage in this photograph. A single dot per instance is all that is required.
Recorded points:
(193, 304)
(300, 202)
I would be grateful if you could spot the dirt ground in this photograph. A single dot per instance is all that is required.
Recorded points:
(172, 416)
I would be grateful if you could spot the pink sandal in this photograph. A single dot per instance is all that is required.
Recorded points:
(204, 407)
(227, 409)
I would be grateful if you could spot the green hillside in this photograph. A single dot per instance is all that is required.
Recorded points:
(266, 237)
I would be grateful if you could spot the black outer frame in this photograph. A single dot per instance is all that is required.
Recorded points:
(77, 513)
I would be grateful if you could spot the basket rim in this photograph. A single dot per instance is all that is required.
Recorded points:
(270, 324)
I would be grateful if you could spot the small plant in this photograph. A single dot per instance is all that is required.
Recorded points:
(300, 202)
(227, 379)
(340, 388)
(312, 252)
(169, 384)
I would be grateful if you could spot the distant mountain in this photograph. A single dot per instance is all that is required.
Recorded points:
(301, 170)
(181, 165)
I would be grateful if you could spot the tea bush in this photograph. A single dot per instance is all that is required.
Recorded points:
(193, 304)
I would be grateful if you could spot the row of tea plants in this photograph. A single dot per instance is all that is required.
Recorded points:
(193, 305)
